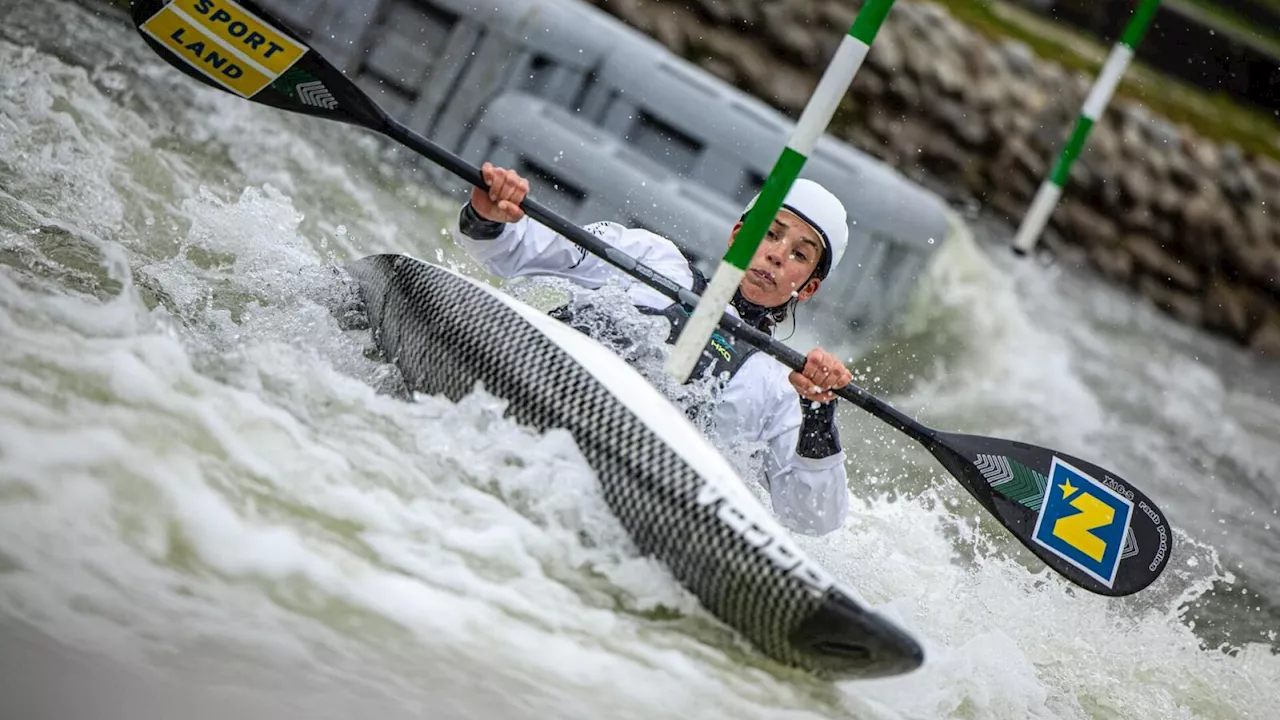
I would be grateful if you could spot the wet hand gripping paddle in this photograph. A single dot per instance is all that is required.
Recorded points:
(1086, 523)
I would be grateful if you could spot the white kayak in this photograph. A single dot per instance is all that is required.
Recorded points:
(674, 493)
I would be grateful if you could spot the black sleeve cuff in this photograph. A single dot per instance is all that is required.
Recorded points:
(819, 436)
(477, 228)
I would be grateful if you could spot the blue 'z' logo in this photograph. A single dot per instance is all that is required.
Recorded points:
(1083, 522)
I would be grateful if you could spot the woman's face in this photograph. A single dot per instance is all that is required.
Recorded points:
(784, 263)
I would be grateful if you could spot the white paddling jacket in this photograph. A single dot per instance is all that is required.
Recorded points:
(807, 481)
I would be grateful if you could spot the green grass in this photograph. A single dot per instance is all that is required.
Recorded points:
(1225, 7)
(1223, 19)
(1215, 116)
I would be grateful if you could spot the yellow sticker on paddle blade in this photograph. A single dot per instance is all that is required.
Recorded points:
(225, 42)
(237, 28)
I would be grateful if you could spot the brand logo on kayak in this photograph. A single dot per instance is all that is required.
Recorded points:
(779, 550)
(1084, 522)
(225, 42)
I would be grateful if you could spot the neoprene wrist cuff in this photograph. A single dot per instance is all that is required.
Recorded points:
(475, 227)
(819, 436)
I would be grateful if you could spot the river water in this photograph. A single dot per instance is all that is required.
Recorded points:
(208, 509)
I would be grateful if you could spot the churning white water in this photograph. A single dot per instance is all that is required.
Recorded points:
(210, 505)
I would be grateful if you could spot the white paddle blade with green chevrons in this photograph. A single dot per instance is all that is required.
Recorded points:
(813, 123)
(1104, 88)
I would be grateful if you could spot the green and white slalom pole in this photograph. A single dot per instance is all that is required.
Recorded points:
(1099, 97)
(811, 126)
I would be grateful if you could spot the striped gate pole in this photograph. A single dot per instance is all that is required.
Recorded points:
(1103, 88)
(813, 123)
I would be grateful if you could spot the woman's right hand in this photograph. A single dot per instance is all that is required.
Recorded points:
(501, 202)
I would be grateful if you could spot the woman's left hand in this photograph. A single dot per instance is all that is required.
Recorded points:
(823, 372)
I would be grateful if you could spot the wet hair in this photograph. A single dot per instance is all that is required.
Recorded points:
(824, 264)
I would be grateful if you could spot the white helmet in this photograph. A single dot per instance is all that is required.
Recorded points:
(822, 211)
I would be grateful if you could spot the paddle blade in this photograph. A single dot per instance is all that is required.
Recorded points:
(239, 48)
(1085, 522)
